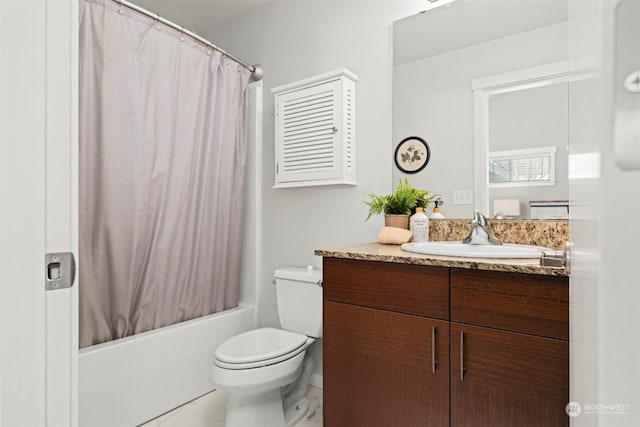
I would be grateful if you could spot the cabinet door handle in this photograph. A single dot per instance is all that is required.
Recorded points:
(433, 350)
(461, 355)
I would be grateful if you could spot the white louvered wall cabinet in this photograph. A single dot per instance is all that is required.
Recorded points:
(315, 131)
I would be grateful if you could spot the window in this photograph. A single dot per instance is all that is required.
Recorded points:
(522, 168)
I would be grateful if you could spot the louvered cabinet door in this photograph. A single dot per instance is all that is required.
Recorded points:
(307, 129)
(315, 133)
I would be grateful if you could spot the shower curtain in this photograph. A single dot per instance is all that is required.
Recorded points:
(162, 159)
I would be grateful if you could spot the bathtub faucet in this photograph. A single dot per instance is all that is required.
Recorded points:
(480, 232)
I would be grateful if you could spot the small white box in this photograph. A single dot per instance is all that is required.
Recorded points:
(557, 209)
(506, 207)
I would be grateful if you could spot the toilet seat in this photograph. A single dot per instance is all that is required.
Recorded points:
(260, 347)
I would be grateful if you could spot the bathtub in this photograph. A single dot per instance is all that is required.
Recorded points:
(126, 382)
(129, 381)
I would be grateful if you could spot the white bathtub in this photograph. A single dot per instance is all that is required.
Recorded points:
(126, 382)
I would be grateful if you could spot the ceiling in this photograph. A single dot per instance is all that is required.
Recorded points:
(468, 22)
(201, 16)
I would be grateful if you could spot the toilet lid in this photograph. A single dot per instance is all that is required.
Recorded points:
(259, 345)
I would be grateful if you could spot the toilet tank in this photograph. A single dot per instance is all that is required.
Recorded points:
(299, 296)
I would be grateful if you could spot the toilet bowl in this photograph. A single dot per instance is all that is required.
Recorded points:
(253, 367)
(265, 372)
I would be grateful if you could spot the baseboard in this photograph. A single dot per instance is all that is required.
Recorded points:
(316, 380)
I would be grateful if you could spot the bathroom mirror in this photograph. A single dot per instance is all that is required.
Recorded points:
(437, 56)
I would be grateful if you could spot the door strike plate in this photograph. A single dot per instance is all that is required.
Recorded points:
(60, 270)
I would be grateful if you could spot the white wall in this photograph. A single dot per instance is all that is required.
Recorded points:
(251, 250)
(432, 98)
(296, 40)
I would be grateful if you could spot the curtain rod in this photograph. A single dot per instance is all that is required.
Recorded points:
(256, 70)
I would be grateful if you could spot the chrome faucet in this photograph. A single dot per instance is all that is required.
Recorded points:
(480, 232)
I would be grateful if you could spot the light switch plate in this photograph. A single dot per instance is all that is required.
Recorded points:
(462, 197)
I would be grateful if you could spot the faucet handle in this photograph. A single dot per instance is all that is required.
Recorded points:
(480, 218)
(480, 231)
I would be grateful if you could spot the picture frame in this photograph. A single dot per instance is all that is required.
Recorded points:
(412, 154)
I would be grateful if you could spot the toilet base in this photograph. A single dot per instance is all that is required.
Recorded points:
(243, 411)
(296, 412)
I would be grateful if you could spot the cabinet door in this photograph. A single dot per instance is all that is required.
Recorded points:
(379, 370)
(501, 378)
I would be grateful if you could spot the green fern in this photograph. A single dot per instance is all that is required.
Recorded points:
(402, 202)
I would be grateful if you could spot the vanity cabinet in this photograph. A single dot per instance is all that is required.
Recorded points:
(410, 345)
(385, 344)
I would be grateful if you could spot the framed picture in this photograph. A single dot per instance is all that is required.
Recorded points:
(412, 154)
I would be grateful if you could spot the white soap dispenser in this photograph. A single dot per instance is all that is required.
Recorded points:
(436, 211)
(419, 226)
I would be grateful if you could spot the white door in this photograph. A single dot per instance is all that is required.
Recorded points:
(38, 210)
(605, 203)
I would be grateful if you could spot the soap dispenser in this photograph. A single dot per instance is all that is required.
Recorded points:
(419, 226)
(436, 211)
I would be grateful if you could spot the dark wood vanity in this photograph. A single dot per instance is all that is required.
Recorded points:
(423, 345)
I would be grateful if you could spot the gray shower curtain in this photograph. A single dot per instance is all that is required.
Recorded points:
(162, 160)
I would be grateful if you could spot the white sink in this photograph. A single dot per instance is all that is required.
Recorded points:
(457, 249)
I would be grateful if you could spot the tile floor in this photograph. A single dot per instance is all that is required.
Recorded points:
(209, 411)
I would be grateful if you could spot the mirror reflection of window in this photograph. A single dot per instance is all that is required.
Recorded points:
(521, 168)
(527, 144)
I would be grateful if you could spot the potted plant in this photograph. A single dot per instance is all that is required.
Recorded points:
(399, 205)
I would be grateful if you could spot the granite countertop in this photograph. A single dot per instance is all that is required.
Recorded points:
(393, 253)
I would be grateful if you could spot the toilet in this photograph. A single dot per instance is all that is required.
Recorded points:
(265, 372)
